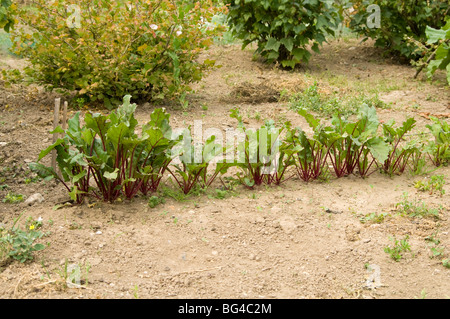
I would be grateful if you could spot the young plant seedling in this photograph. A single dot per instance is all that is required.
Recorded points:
(435, 184)
(399, 247)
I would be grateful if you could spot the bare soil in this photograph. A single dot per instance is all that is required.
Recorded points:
(294, 241)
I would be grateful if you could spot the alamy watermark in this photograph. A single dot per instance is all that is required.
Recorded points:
(74, 19)
(238, 145)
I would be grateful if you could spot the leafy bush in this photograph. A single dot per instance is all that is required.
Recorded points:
(103, 50)
(7, 11)
(400, 19)
(283, 29)
(441, 57)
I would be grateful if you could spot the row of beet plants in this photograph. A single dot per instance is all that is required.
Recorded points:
(105, 158)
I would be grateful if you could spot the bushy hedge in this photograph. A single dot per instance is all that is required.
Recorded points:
(400, 19)
(283, 29)
(105, 49)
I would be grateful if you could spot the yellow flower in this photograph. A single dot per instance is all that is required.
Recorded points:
(31, 227)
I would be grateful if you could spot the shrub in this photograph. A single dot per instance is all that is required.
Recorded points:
(103, 50)
(283, 29)
(441, 57)
(400, 19)
(7, 12)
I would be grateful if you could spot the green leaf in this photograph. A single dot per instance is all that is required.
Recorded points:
(112, 176)
(434, 35)
(45, 152)
(38, 247)
(288, 43)
(379, 149)
(272, 45)
(42, 171)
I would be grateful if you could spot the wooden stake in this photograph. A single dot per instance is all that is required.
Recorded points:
(64, 123)
(55, 125)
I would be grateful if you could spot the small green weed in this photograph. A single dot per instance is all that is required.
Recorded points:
(415, 208)
(446, 263)
(436, 250)
(19, 244)
(12, 198)
(374, 218)
(155, 201)
(434, 184)
(399, 247)
(312, 100)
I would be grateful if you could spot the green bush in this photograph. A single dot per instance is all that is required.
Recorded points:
(7, 11)
(441, 58)
(400, 20)
(103, 50)
(283, 29)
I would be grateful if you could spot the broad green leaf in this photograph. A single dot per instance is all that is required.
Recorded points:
(379, 149)
(42, 170)
(272, 45)
(45, 152)
(434, 35)
(112, 176)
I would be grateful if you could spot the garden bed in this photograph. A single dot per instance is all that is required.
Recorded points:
(324, 239)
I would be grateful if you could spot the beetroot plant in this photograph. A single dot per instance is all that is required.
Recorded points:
(192, 171)
(106, 152)
(399, 152)
(258, 154)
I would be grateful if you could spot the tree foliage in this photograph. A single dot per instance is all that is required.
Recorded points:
(401, 20)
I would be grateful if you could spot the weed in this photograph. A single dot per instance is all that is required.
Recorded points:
(74, 275)
(399, 247)
(155, 201)
(415, 208)
(446, 263)
(12, 198)
(436, 183)
(19, 244)
(438, 252)
(220, 194)
(373, 218)
(136, 292)
(423, 294)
